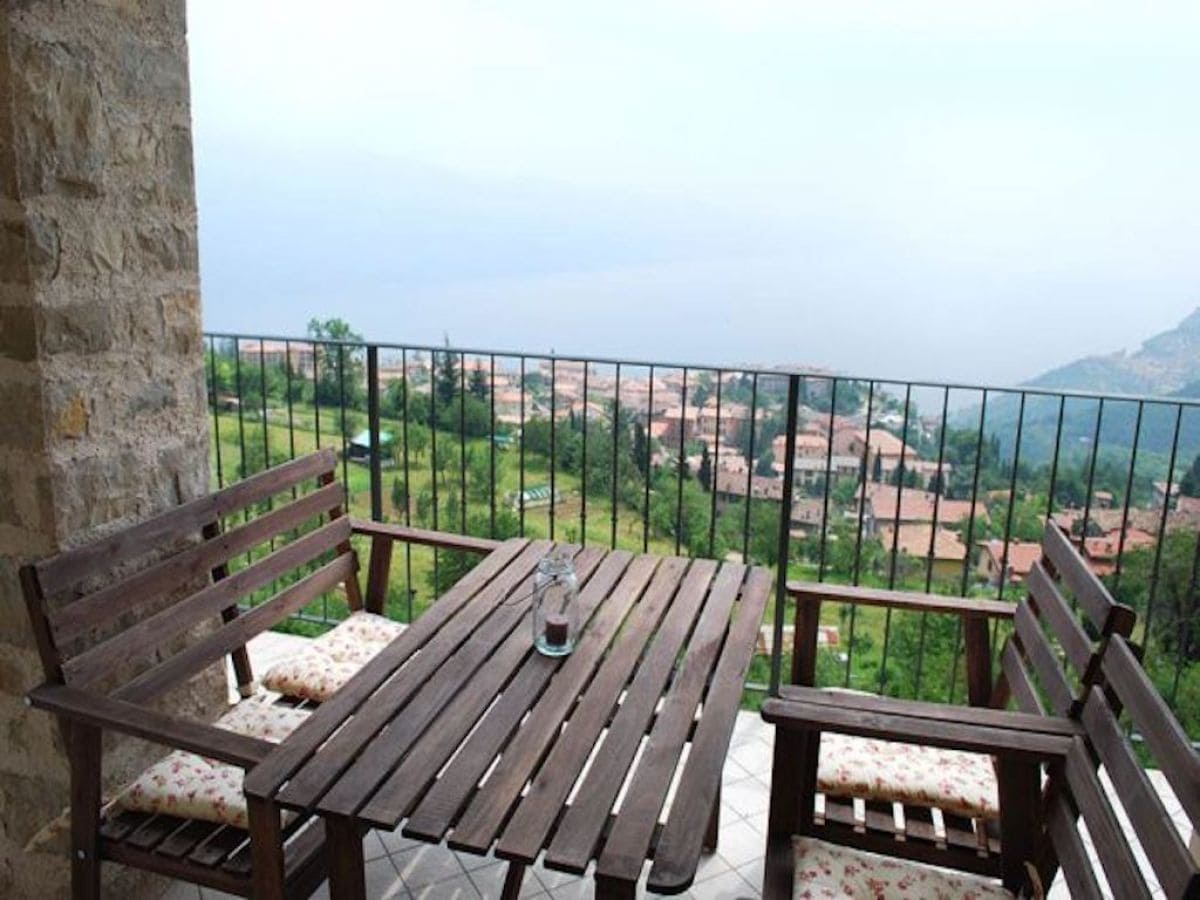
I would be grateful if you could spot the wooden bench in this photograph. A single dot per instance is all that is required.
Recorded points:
(121, 620)
(1039, 831)
(1046, 666)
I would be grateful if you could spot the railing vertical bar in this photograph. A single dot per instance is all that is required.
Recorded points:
(492, 445)
(408, 588)
(262, 384)
(750, 467)
(940, 484)
(583, 467)
(784, 536)
(433, 452)
(1162, 527)
(900, 473)
(858, 534)
(713, 463)
(1058, 429)
(376, 461)
(646, 460)
(680, 464)
(243, 469)
(287, 355)
(212, 365)
(1133, 455)
(462, 442)
(341, 349)
(553, 448)
(1087, 500)
(317, 393)
(616, 442)
(833, 383)
(521, 455)
(1012, 497)
(966, 570)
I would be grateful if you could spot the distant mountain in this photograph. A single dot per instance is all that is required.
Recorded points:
(1167, 364)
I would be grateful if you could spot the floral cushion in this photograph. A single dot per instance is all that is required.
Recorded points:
(952, 780)
(195, 787)
(828, 870)
(330, 660)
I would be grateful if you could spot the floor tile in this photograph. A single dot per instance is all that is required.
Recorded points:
(427, 864)
(727, 886)
(711, 865)
(739, 843)
(752, 873)
(459, 888)
(748, 797)
(489, 880)
(395, 842)
(181, 890)
(383, 881)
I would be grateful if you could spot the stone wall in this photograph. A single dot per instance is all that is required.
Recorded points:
(102, 404)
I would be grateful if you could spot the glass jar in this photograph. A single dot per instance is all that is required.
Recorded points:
(555, 606)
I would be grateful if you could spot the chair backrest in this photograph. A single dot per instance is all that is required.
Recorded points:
(1057, 645)
(133, 595)
(1078, 791)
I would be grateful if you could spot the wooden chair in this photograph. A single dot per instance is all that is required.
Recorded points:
(116, 622)
(1039, 832)
(899, 801)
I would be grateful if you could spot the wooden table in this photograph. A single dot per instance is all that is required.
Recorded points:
(448, 725)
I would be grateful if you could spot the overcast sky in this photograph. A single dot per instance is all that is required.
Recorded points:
(943, 190)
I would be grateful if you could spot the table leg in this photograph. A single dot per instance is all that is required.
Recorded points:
(714, 824)
(613, 889)
(512, 881)
(343, 843)
(266, 849)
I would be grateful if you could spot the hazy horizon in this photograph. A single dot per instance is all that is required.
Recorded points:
(933, 191)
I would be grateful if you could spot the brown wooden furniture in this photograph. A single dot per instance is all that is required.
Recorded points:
(1047, 632)
(115, 623)
(1039, 831)
(414, 737)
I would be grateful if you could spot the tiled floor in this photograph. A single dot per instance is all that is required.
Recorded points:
(401, 868)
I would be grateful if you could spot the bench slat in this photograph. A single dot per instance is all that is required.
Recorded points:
(150, 633)
(66, 569)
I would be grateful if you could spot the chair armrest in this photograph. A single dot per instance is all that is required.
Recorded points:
(424, 536)
(1000, 734)
(807, 592)
(93, 708)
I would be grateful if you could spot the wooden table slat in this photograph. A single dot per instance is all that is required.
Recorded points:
(530, 824)
(414, 775)
(628, 843)
(433, 816)
(386, 805)
(678, 850)
(265, 779)
(488, 809)
(388, 726)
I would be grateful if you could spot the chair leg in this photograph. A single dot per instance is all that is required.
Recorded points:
(793, 793)
(512, 881)
(83, 752)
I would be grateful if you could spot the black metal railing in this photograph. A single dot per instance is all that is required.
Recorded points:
(821, 476)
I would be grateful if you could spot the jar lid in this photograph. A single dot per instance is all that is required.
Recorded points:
(557, 562)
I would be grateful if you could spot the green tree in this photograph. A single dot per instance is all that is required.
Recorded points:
(705, 475)
(477, 385)
(341, 369)
(446, 383)
(1189, 485)
(399, 494)
(765, 466)
(418, 439)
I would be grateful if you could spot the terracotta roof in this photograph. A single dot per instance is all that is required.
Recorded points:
(914, 540)
(918, 506)
(1021, 555)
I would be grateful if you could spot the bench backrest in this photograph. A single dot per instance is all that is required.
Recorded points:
(135, 593)
(1077, 790)
(1056, 646)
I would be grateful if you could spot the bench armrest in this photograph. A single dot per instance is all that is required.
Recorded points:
(100, 711)
(424, 536)
(811, 592)
(994, 732)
